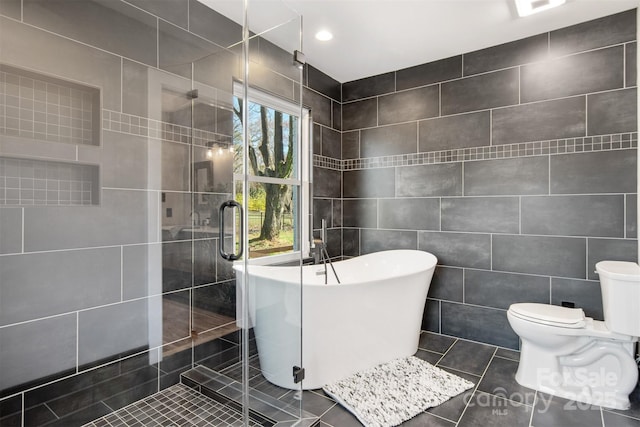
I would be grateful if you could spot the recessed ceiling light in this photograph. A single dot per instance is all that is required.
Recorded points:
(324, 35)
(529, 7)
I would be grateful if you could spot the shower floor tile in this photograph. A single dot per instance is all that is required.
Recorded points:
(178, 406)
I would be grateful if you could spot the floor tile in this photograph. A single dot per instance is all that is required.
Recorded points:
(435, 342)
(508, 354)
(612, 419)
(500, 380)
(452, 409)
(427, 420)
(340, 417)
(553, 411)
(428, 356)
(488, 410)
(468, 357)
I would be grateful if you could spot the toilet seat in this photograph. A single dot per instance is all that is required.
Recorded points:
(551, 315)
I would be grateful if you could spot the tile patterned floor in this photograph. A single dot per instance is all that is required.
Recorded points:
(496, 400)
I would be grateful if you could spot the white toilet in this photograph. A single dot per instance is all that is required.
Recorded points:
(569, 355)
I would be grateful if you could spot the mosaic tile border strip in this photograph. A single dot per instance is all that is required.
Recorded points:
(538, 148)
(142, 126)
(177, 405)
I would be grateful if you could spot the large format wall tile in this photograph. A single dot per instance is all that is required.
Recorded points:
(369, 183)
(71, 280)
(460, 131)
(561, 118)
(330, 143)
(389, 140)
(360, 213)
(378, 240)
(481, 92)
(609, 250)
(500, 290)
(447, 284)
(631, 226)
(112, 26)
(319, 81)
(409, 105)
(478, 324)
(548, 256)
(370, 86)
(12, 9)
(585, 294)
(457, 249)
(411, 213)
(141, 270)
(176, 12)
(562, 77)
(360, 114)
(518, 176)
(10, 230)
(432, 72)
(320, 107)
(598, 216)
(606, 31)
(443, 179)
(612, 112)
(506, 55)
(482, 214)
(630, 63)
(597, 172)
(34, 350)
(327, 182)
(213, 26)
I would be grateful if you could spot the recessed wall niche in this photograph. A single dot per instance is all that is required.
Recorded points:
(44, 108)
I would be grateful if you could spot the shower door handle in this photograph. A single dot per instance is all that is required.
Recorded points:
(223, 253)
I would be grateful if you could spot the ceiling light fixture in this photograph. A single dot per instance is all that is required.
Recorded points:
(324, 35)
(529, 7)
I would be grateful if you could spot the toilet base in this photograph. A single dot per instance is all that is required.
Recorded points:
(602, 373)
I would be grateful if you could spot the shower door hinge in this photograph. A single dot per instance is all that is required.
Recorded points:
(298, 374)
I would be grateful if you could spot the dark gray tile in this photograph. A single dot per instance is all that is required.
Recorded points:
(381, 240)
(217, 300)
(612, 112)
(321, 82)
(631, 206)
(597, 216)
(360, 213)
(496, 89)
(506, 55)
(369, 183)
(107, 331)
(614, 420)
(322, 210)
(116, 27)
(432, 72)
(500, 380)
(176, 12)
(508, 354)
(360, 114)
(601, 172)
(350, 242)
(68, 272)
(457, 249)
(411, 213)
(11, 8)
(431, 316)
(351, 145)
(447, 284)
(549, 256)
(369, 86)
(327, 182)
(27, 47)
(271, 81)
(427, 420)
(489, 410)
(23, 347)
(414, 104)
(630, 64)
(453, 408)
(475, 323)
(482, 214)
(435, 342)
(467, 356)
(336, 213)
(177, 265)
(552, 411)
(10, 230)
(135, 88)
(218, 69)
(336, 115)
(500, 290)
(338, 416)
(138, 279)
(320, 106)
(213, 26)
(609, 249)
(519, 176)
(610, 30)
(584, 294)
(443, 179)
(561, 118)
(461, 131)
(389, 140)
(331, 143)
(565, 76)
(276, 58)
(11, 411)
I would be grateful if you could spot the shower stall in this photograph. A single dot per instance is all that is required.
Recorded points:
(124, 126)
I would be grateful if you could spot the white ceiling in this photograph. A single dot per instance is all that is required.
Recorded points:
(376, 36)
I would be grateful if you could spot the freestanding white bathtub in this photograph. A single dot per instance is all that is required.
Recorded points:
(372, 317)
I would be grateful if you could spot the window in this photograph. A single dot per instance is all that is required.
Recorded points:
(278, 170)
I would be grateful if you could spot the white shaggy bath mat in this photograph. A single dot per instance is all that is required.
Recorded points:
(393, 392)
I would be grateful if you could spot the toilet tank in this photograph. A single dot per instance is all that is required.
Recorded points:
(620, 286)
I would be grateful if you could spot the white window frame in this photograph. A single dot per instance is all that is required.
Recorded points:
(303, 180)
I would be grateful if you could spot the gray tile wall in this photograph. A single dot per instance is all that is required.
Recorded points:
(84, 288)
(522, 174)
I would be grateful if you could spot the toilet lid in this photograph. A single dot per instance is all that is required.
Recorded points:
(547, 314)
